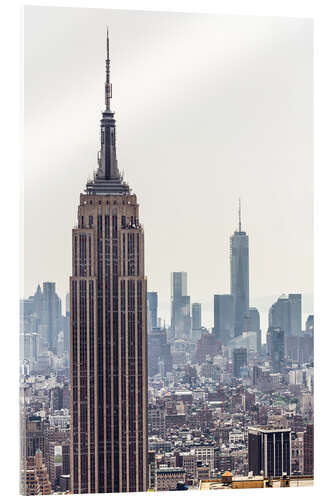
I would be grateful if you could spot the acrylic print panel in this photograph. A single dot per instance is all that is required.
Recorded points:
(167, 314)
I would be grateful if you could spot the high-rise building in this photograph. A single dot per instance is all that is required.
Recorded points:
(152, 303)
(239, 275)
(286, 313)
(158, 350)
(108, 366)
(224, 318)
(309, 324)
(278, 316)
(239, 359)
(276, 348)
(295, 314)
(253, 325)
(180, 307)
(51, 314)
(196, 316)
(269, 451)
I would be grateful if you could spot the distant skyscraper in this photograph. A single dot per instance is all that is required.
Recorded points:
(158, 351)
(152, 303)
(224, 318)
(180, 307)
(286, 313)
(295, 314)
(51, 314)
(239, 359)
(309, 324)
(108, 330)
(252, 324)
(276, 348)
(239, 275)
(196, 316)
(269, 451)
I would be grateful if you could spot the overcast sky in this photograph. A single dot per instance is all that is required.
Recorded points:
(209, 108)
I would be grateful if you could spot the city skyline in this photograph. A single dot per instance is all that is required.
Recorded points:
(223, 154)
(112, 399)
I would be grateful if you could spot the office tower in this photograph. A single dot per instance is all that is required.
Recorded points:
(276, 348)
(239, 359)
(51, 314)
(239, 275)
(108, 330)
(286, 313)
(180, 307)
(158, 350)
(295, 314)
(152, 303)
(308, 450)
(196, 316)
(278, 316)
(269, 451)
(309, 324)
(254, 324)
(224, 318)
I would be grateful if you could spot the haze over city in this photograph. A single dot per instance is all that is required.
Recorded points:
(209, 109)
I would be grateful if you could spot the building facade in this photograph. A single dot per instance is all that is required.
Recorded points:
(108, 323)
(269, 451)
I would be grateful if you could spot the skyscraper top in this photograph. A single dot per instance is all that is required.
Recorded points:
(108, 85)
(239, 232)
(107, 179)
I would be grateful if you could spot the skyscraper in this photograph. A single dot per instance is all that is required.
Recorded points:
(196, 316)
(239, 359)
(276, 348)
(224, 318)
(108, 330)
(239, 274)
(295, 314)
(180, 307)
(152, 302)
(51, 314)
(253, 324)
(286, 313)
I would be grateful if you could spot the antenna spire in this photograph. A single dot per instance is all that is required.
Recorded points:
(239, 216)
(108, 85)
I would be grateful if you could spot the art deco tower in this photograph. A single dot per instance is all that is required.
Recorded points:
(239, 275)
(108, 330)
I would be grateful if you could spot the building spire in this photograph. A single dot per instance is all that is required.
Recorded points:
(108, 85)
(239, 216)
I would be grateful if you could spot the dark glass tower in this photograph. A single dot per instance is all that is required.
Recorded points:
(239, 275)
(108, 330)
(224, 318)
(152, 301)
(180, 307)
(269, 451)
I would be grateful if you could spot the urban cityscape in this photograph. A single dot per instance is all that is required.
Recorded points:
(116, 398)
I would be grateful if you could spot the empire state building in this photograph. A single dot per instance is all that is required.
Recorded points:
(108, 329)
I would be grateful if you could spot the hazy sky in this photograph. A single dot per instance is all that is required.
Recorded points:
(209, 108)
